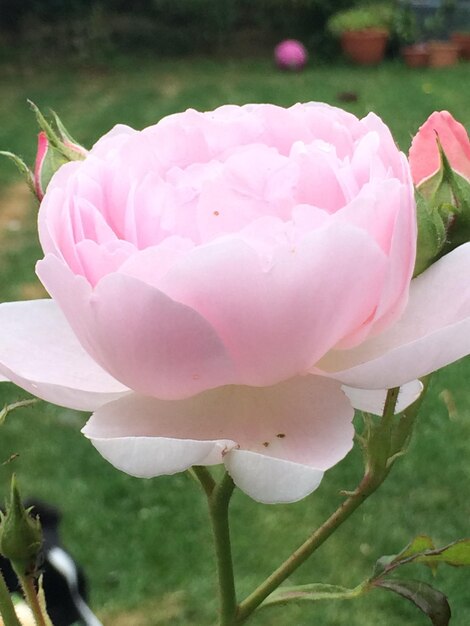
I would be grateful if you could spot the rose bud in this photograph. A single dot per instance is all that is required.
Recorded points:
(20, 535)
(440, 165)
(54, 150)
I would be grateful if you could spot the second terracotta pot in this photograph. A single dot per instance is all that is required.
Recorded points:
(365, 47)
(443, 53)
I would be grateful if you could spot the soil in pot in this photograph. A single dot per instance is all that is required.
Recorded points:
(365, 47)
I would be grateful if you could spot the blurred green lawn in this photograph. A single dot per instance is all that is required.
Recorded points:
(146, 544)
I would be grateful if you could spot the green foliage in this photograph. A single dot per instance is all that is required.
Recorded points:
(405, 25)
(362, 17)
(90, 30)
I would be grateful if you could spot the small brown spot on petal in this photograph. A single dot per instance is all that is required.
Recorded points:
(266, 444)
(216, 213)
(281, 435)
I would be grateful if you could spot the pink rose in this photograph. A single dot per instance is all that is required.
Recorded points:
(217, 277)
(424, 154)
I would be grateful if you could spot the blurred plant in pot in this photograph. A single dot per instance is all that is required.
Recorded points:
(363, 31)
(442, 52)
(414, 49)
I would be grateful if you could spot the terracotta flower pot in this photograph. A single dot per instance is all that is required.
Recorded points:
(443, 53)
(365, 47)
(463, 41)
(416, 55)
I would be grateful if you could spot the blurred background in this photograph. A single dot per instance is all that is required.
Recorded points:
(146, 545)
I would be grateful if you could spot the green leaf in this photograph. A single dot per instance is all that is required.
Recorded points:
(431, 602)
(314, 592)
(420, 544)
(423, 550)
(456, 554)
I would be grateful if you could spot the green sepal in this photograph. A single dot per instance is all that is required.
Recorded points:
(56, 141)
(64, 133)
(431, 233)
(443, 214)
(22, 167)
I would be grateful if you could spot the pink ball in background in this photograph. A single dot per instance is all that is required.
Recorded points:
(290, 54)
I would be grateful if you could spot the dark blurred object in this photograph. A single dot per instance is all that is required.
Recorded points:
(347, 96)
(64, 582)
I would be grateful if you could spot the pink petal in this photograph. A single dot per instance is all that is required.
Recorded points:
(151, 343)
(298, 428)
(424, 154)
(43, 146)
(373, 400)
(433, 331)
(278, 317)
(40, 353)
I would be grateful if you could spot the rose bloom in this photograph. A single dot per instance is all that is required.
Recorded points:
(216, 281)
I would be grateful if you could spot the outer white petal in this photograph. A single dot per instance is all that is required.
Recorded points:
(433, 331)
(270, 480)
(39, 352)
(373, 400)
(146, 457)
(275, 441)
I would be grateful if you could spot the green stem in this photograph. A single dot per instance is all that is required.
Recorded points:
(205, 478)
(375, 475)
(365, 489)
(31, 596)
(7, 610)
(219, 501)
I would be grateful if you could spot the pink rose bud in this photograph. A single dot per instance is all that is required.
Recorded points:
(440, 165)
(55, 148)
(425, 160)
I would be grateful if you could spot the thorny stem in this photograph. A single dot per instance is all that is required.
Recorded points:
(396, 433)
(373, 478)
(31, 596)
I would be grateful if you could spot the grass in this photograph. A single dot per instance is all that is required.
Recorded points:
(146, 544)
